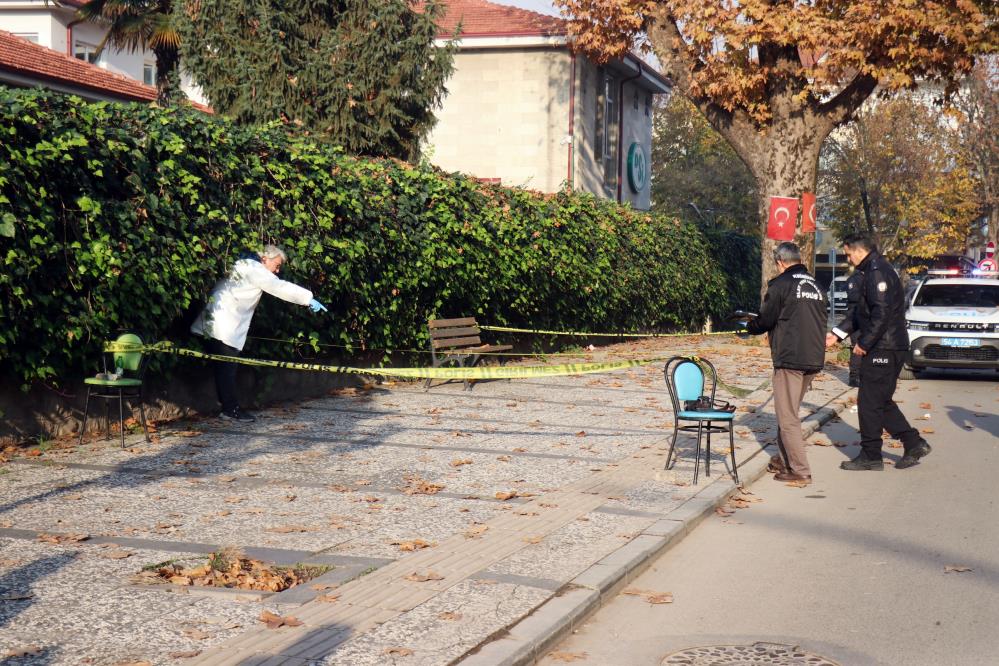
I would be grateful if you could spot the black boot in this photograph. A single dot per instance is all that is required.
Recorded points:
(862, 464)
(912, 456)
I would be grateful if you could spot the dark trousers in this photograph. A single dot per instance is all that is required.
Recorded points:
(225, 374)
(855, 362)
(879, 372)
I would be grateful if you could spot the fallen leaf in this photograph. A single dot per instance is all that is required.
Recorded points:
(651, 596)
(415, 544)
(928, 431)
(956, 568)
(274, 621)
(722, 511)
(423, 578)
(118, 554)
(450, 615)
(925, 405)
(31, 651)
(287, 529)
(519, 449)
(567, 656)
(185, 655)
(476, 531)
(458, 462)
(196, 634)
(503, 458)
(187, 433)
(504, 495)
(397, 652)
(533, 539)
(419, 486)
(327, 598)
(581, 433)
(63, 538)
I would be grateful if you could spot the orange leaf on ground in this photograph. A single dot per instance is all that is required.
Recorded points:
(424, 577)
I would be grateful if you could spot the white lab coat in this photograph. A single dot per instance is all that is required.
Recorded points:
(230, 308)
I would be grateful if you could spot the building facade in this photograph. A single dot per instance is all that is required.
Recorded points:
(524, 110)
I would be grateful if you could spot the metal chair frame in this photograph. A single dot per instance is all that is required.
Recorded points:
(121, 393)
(704, 425)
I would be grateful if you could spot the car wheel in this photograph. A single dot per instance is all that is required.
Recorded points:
(908, 372)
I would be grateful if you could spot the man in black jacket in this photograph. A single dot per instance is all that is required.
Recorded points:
(794, 315)
(848, 326)
(882, 343)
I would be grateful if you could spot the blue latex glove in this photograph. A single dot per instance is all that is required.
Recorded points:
(316, 306)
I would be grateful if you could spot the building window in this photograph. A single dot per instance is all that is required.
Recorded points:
(86, 52)
(149, 73)
(607, 126)
(648, 106)
(634, 101)
(30, 36)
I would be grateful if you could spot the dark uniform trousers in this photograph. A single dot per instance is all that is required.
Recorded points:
(879, 372)
(225, 374)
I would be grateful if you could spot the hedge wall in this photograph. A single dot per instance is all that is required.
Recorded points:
(122, 216)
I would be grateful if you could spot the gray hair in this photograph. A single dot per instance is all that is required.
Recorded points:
(273, 252)
(787, 253)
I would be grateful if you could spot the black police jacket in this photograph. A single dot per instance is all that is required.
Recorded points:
(880, 313)
(794, 314)
(854, 285)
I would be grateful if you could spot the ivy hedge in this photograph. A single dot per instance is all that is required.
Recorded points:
(122, 216)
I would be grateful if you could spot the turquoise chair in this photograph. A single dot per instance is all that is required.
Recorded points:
(126, 387)
(685, 381)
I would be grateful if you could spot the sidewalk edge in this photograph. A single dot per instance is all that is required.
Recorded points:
(528, 639)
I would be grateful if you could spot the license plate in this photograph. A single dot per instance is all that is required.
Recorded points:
(961, 342)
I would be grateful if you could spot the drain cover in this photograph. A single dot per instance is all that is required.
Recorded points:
(760, 654)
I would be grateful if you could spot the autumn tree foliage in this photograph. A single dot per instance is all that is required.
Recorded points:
(698, 176)
(976, 108)
(899, 172)
(775, 77)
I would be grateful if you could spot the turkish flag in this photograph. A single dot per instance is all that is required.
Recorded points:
(783, 218)
(807, 213)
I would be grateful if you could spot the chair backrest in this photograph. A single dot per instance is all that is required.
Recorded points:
(685, 380)
(128, 360)
(688, 379)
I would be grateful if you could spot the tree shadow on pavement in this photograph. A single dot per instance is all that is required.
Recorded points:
(971, 420)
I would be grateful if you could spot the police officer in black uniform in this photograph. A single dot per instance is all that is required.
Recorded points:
(849, 326)
(883, 344)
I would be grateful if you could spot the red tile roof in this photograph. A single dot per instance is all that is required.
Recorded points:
(479, 18)
(38, 62)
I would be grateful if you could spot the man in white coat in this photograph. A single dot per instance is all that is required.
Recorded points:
(226, 318)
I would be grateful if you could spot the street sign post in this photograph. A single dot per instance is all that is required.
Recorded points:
(832, 281)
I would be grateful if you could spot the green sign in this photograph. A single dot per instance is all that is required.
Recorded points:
(638, 168)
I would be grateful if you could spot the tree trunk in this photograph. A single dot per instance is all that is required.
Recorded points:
(784, 160)
(167, 75)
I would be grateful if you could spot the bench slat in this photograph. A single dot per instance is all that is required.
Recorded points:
(448, 323)
(473, 341)
(480, 349)
(445, 333)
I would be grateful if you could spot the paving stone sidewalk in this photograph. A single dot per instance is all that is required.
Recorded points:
(341, 482)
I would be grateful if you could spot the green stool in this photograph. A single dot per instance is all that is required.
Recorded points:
(128, 386)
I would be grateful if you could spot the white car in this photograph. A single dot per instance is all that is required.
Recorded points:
(953, 322)
(837, 293)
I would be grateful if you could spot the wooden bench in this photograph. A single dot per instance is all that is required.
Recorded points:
(457, 342)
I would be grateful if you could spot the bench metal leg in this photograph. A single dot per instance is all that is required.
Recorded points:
(86, 411)
(731, 448)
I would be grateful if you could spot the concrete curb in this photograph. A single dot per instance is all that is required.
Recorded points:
(531, 637)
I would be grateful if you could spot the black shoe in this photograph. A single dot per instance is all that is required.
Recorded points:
(238, 415)
(861, 464)
(912, 456)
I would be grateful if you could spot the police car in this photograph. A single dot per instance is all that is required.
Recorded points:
(953, 321)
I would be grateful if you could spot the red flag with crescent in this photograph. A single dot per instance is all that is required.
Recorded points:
(807, 213)
(783, 218)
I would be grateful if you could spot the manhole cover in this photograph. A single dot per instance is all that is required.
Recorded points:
(757, 653)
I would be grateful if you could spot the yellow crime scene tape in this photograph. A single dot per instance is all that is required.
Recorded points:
(459, 372)
(584, 334)
(479, 372)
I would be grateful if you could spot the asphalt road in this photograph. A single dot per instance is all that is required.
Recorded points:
(853, 568)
